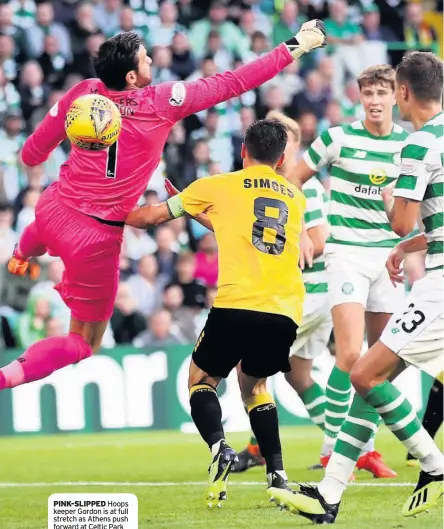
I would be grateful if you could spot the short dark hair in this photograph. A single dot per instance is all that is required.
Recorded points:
(266, 140)
(116, 57)
(422, 71)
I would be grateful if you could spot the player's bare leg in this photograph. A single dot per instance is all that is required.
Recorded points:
(207, 416)
(28, 247)
(44, 357)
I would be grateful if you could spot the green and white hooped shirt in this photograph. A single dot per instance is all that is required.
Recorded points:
(360, 166)
(422, 179)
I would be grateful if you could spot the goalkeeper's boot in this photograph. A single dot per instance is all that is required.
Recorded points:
(279, 491)
(373, 463)
(220, 468)
(309, 503)
(248, 458)
(425, 496)
(17, 264)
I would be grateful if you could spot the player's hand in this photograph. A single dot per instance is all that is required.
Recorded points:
(393, 265)
(306, 250)
(311, 36)
(170, 189)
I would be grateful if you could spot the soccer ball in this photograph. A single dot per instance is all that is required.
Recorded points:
(93, 122)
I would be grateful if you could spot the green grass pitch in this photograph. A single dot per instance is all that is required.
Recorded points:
(166, 470)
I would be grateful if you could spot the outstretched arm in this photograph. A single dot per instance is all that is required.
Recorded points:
(51, 130)
(174, 101)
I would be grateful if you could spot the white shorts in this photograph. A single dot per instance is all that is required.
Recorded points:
(358, 275)
(315, 329)
(415, 332)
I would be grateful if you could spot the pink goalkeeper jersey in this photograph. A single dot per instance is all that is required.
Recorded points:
(107, 184)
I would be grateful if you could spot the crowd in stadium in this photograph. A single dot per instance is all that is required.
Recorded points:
(169, 274)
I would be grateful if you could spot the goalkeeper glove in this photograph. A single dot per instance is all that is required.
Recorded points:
(311, 36)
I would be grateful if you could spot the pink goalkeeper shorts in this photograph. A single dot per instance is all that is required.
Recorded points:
(90, 252)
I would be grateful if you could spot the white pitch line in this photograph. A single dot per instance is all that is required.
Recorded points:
(170, 484)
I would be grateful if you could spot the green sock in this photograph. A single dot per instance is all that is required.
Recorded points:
(337, 396)
(358, 428)
(398, 415)
(253, 440)
(314, 400)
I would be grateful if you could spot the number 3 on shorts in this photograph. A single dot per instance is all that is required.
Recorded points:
(413, 321)
(264, 221)
(111, 162)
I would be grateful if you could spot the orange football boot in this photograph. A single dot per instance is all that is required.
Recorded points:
(373, 463)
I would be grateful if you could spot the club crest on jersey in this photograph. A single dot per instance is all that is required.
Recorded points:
(178, 93)
(377, 176)
(348, 288)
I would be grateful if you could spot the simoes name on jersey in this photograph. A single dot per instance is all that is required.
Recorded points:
(178, 94)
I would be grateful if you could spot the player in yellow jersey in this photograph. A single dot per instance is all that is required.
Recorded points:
(257, 217)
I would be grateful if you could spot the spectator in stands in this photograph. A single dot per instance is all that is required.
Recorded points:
(9, 97)
(273, 99)
(27, 214)
(125, 269)
(24, 12)
(309, 125)
(217, 19)
(126, 321)
(207, 260)
(417, 32)
(198, 166)
(161, 69)
(106, 15)
(351, 102)
(36, 180)
(183, 64)
(221, 56)
(259, 46)
(189, 12)
(45, 25)
(82, 63)
(126, 23)
(163, 32)
(202, 316)
(32, 323)
(179, 227)
(45, 288)
(344, 38)
(33, 90)
(144, 285)
(175, 153)
(166, 253)
(138, 243)
(8, 61)
(82, 27)
(247, 117)
(7, 27)
(183, 317)
(313, 99)
(371, 25)
(193, 289)
(11, 141)
(54, 327)
(206, 69)
(333, 116)
(160, 332)
(326, 70)
(288, 24)
(52, 62)
(8, 237)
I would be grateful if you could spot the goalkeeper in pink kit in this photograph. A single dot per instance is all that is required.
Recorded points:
(81, 217)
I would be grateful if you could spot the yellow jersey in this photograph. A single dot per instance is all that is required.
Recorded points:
(257, 219)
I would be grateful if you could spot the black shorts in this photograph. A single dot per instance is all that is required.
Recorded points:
(259, 340)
